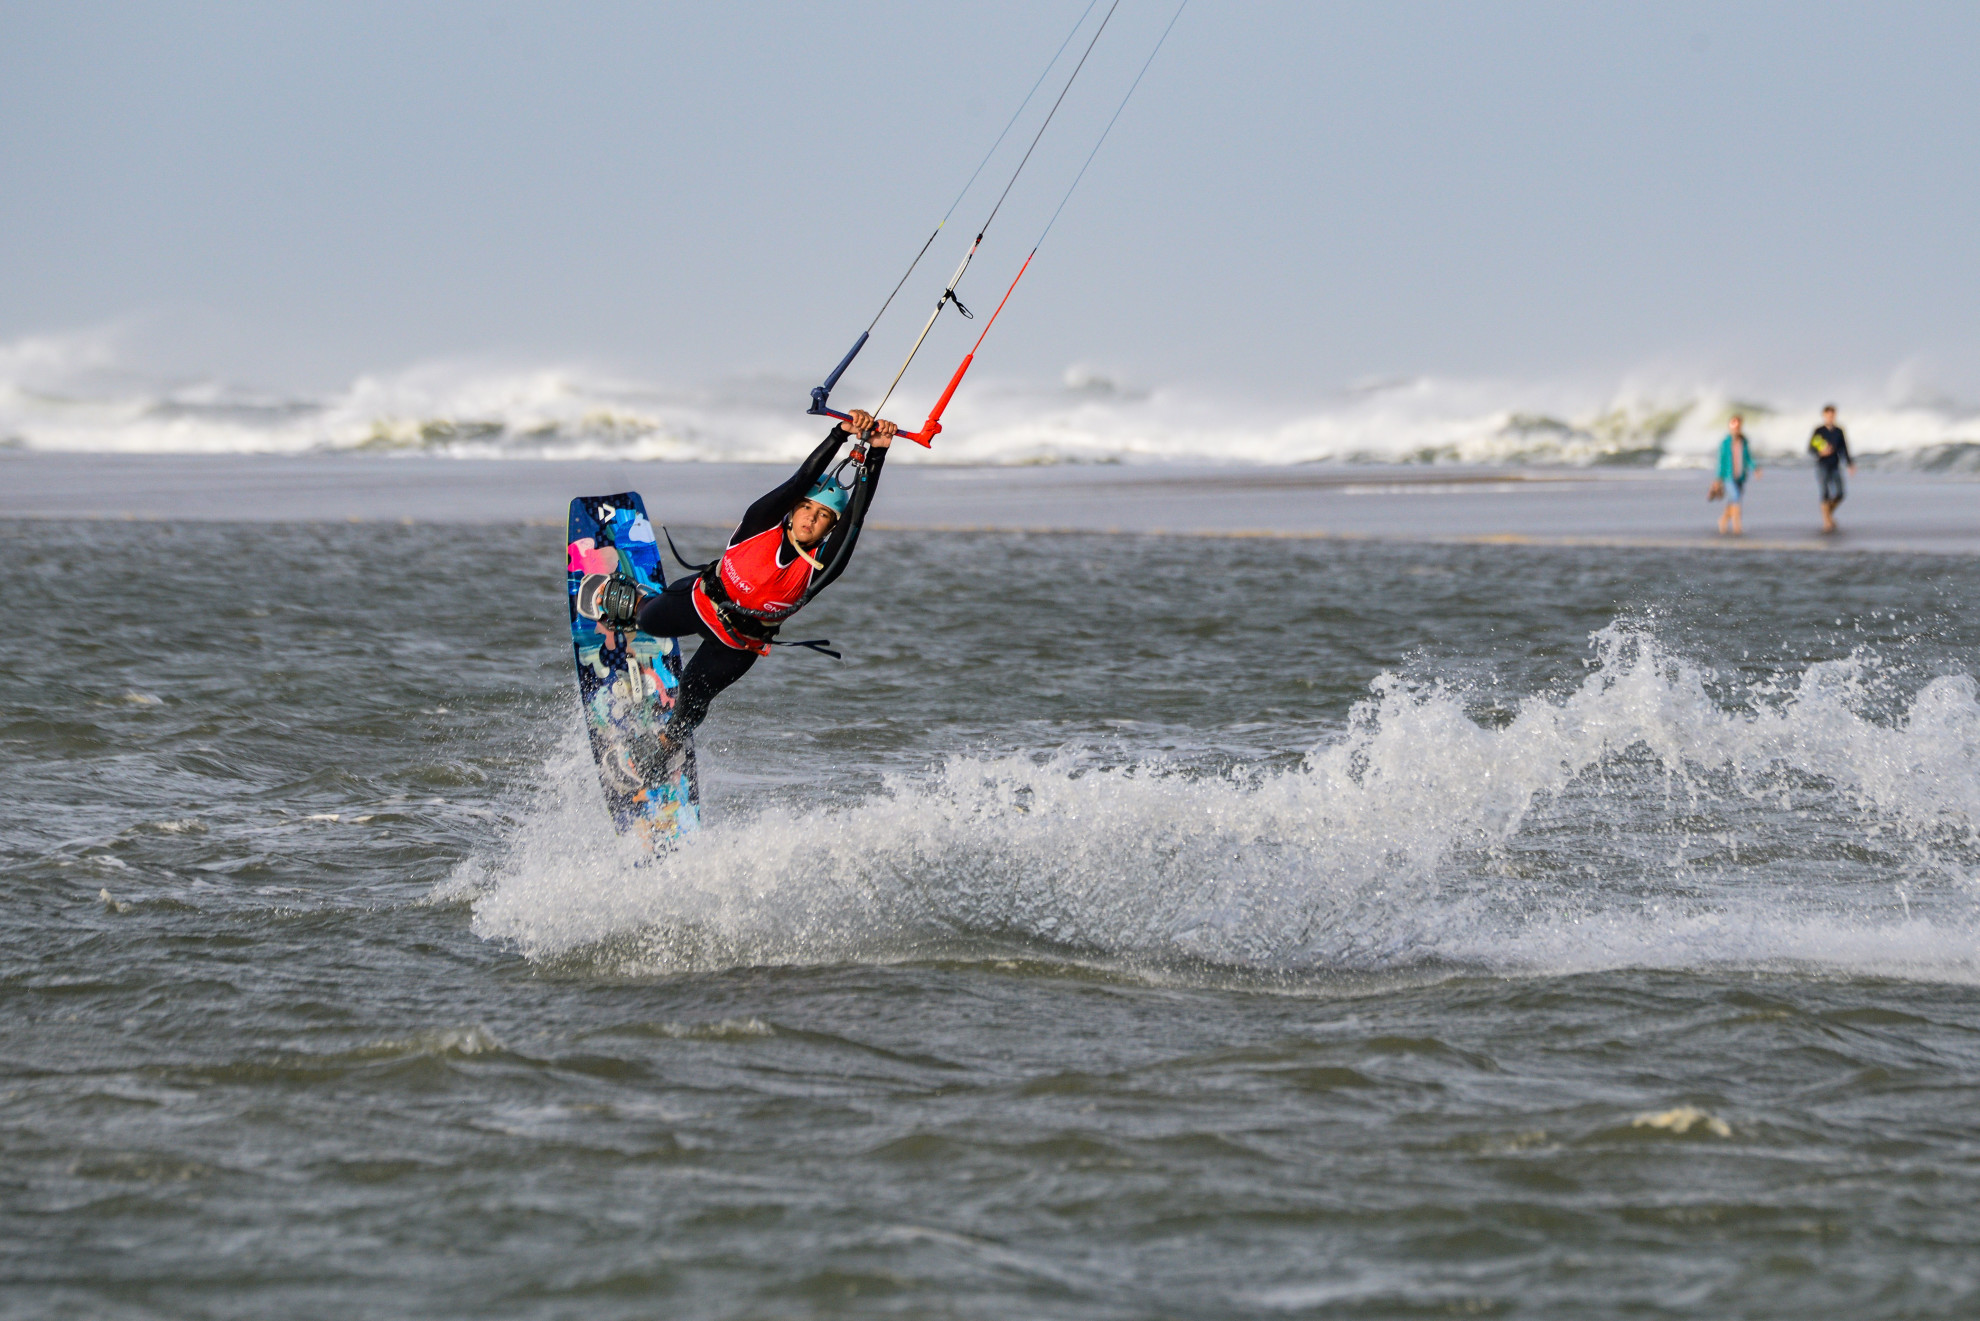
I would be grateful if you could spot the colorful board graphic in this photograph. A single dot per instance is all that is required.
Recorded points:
(627, 681)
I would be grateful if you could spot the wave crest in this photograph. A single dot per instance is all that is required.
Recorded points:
(71, 395)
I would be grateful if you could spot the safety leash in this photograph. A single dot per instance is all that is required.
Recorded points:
(681, 559)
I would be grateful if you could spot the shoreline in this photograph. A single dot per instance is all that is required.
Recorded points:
(1626, 508)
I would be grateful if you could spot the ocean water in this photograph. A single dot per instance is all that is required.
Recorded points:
(76, 393)
(1126, 928)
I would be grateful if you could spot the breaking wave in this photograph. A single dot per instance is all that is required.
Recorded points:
(1648, 817)
(72, 395)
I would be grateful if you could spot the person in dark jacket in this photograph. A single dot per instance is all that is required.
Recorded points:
(1831, 450)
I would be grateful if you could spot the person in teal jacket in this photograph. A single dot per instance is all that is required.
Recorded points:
(1735, 466)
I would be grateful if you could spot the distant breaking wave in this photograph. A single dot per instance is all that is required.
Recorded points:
(71, 395)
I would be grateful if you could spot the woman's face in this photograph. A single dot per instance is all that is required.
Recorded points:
(810, 521)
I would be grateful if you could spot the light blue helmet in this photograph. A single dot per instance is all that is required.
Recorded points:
(830, 494)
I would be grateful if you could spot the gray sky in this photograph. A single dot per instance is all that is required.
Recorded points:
(1300, 195)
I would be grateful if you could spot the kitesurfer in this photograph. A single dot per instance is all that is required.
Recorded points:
(790, 544)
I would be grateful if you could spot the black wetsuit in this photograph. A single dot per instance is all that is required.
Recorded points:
(672, 614)
(1828, 467)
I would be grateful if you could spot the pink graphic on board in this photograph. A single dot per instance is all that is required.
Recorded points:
(586, 557)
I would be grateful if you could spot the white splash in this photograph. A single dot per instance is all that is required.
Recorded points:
(1819, 832)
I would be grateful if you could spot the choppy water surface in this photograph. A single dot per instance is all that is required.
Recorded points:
(1128, 928)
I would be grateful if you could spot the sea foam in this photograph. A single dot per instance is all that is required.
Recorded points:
(67, 395)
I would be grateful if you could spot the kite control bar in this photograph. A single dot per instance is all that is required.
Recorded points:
(932, 427)
(929, 429)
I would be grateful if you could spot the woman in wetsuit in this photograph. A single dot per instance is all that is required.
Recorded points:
(789, 546)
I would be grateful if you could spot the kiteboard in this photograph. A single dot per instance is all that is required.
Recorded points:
(628, 680)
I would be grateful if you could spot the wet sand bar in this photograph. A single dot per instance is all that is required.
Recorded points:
(1885, 511)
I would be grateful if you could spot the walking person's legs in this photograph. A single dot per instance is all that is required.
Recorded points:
(1832, 495)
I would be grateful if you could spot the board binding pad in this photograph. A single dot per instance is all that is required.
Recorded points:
(628, 681)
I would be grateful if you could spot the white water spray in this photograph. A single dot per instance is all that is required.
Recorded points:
(1637, 820)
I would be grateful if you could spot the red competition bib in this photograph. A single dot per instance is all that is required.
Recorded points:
(754, 580)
